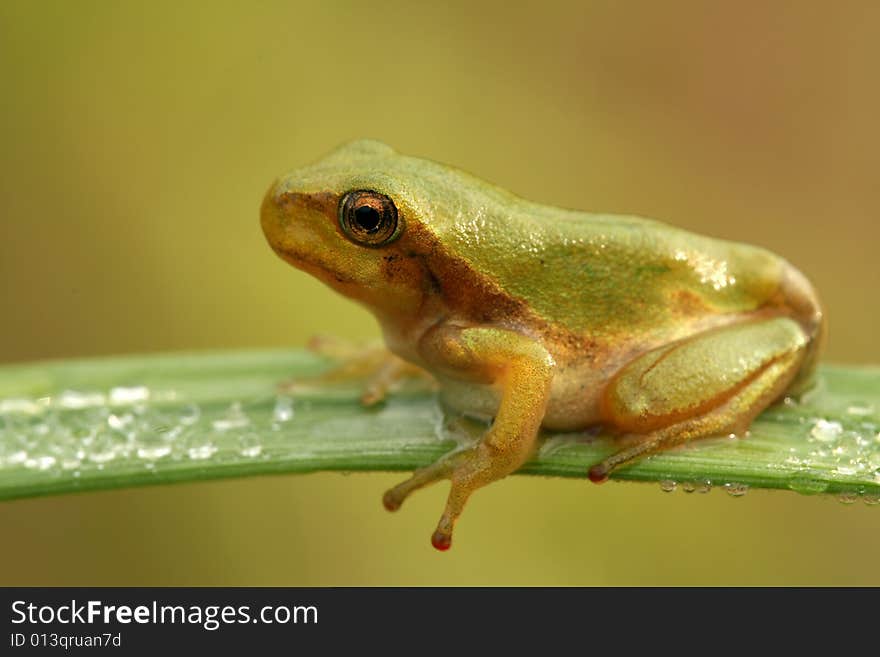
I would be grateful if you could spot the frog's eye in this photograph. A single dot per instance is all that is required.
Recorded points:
(368, 218)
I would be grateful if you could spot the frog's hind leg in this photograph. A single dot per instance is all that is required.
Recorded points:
(712, 384)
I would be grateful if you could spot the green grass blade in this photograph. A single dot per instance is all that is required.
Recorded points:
(106, 423)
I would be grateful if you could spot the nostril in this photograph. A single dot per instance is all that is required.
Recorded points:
(282, 198)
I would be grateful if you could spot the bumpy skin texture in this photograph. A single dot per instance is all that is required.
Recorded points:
(538, 316)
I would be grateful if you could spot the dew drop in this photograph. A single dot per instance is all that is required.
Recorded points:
(871, 500)
(249, 445)
(40, 462)
(153, 450)
(668, 486)
(189, 415)
(105, 447)
(205, 451)
(16, 456)
(199, 447)
(283, 411)
(825, 431)
(71, 461)
(129, 394)
(69, 453)
(688, 486)
(24, 406)
(155, 434)
(807, 482)
(74, 399)
(860, 409)
(233, 418)
(120, 421)
(735, 489)
(84, 435)
(847, 498)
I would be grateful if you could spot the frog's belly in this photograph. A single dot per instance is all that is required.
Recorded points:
(577, 388)
(573, 404)
(580, 379)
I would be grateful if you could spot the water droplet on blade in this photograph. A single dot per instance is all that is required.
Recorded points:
(74, 399)
(807, 482)
(129, 394)
(40, 462)
(860, 409)
(250, 445)
(189, 414)
(826, 431)
(283, 411)
(735, 489)
(233, 418)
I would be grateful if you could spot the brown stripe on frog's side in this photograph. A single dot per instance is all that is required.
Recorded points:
(464, 291)
(471, 295)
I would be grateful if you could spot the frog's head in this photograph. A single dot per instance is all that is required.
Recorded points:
(356, 221)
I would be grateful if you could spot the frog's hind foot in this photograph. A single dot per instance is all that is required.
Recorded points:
(599, 473)
(700, 388)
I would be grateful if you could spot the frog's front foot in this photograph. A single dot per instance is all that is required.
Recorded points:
(522, 368)
(369, 363)
(467, 470)
(387, 375)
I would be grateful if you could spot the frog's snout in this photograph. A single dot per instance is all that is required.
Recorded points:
(271, 211)
(299, 225)
(279, 213)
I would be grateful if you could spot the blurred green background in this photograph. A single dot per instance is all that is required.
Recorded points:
(138, 139)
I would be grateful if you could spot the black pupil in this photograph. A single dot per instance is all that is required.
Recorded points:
(368, 218)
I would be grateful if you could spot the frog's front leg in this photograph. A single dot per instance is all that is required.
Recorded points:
(371, 363)
(523, 370)
(712, 384)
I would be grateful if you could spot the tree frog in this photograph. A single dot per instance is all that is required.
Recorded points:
(536, 316)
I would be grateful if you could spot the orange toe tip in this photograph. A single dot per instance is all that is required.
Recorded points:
(598, 474)
(441, 541)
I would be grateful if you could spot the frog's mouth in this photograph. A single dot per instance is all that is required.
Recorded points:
(309, 263)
